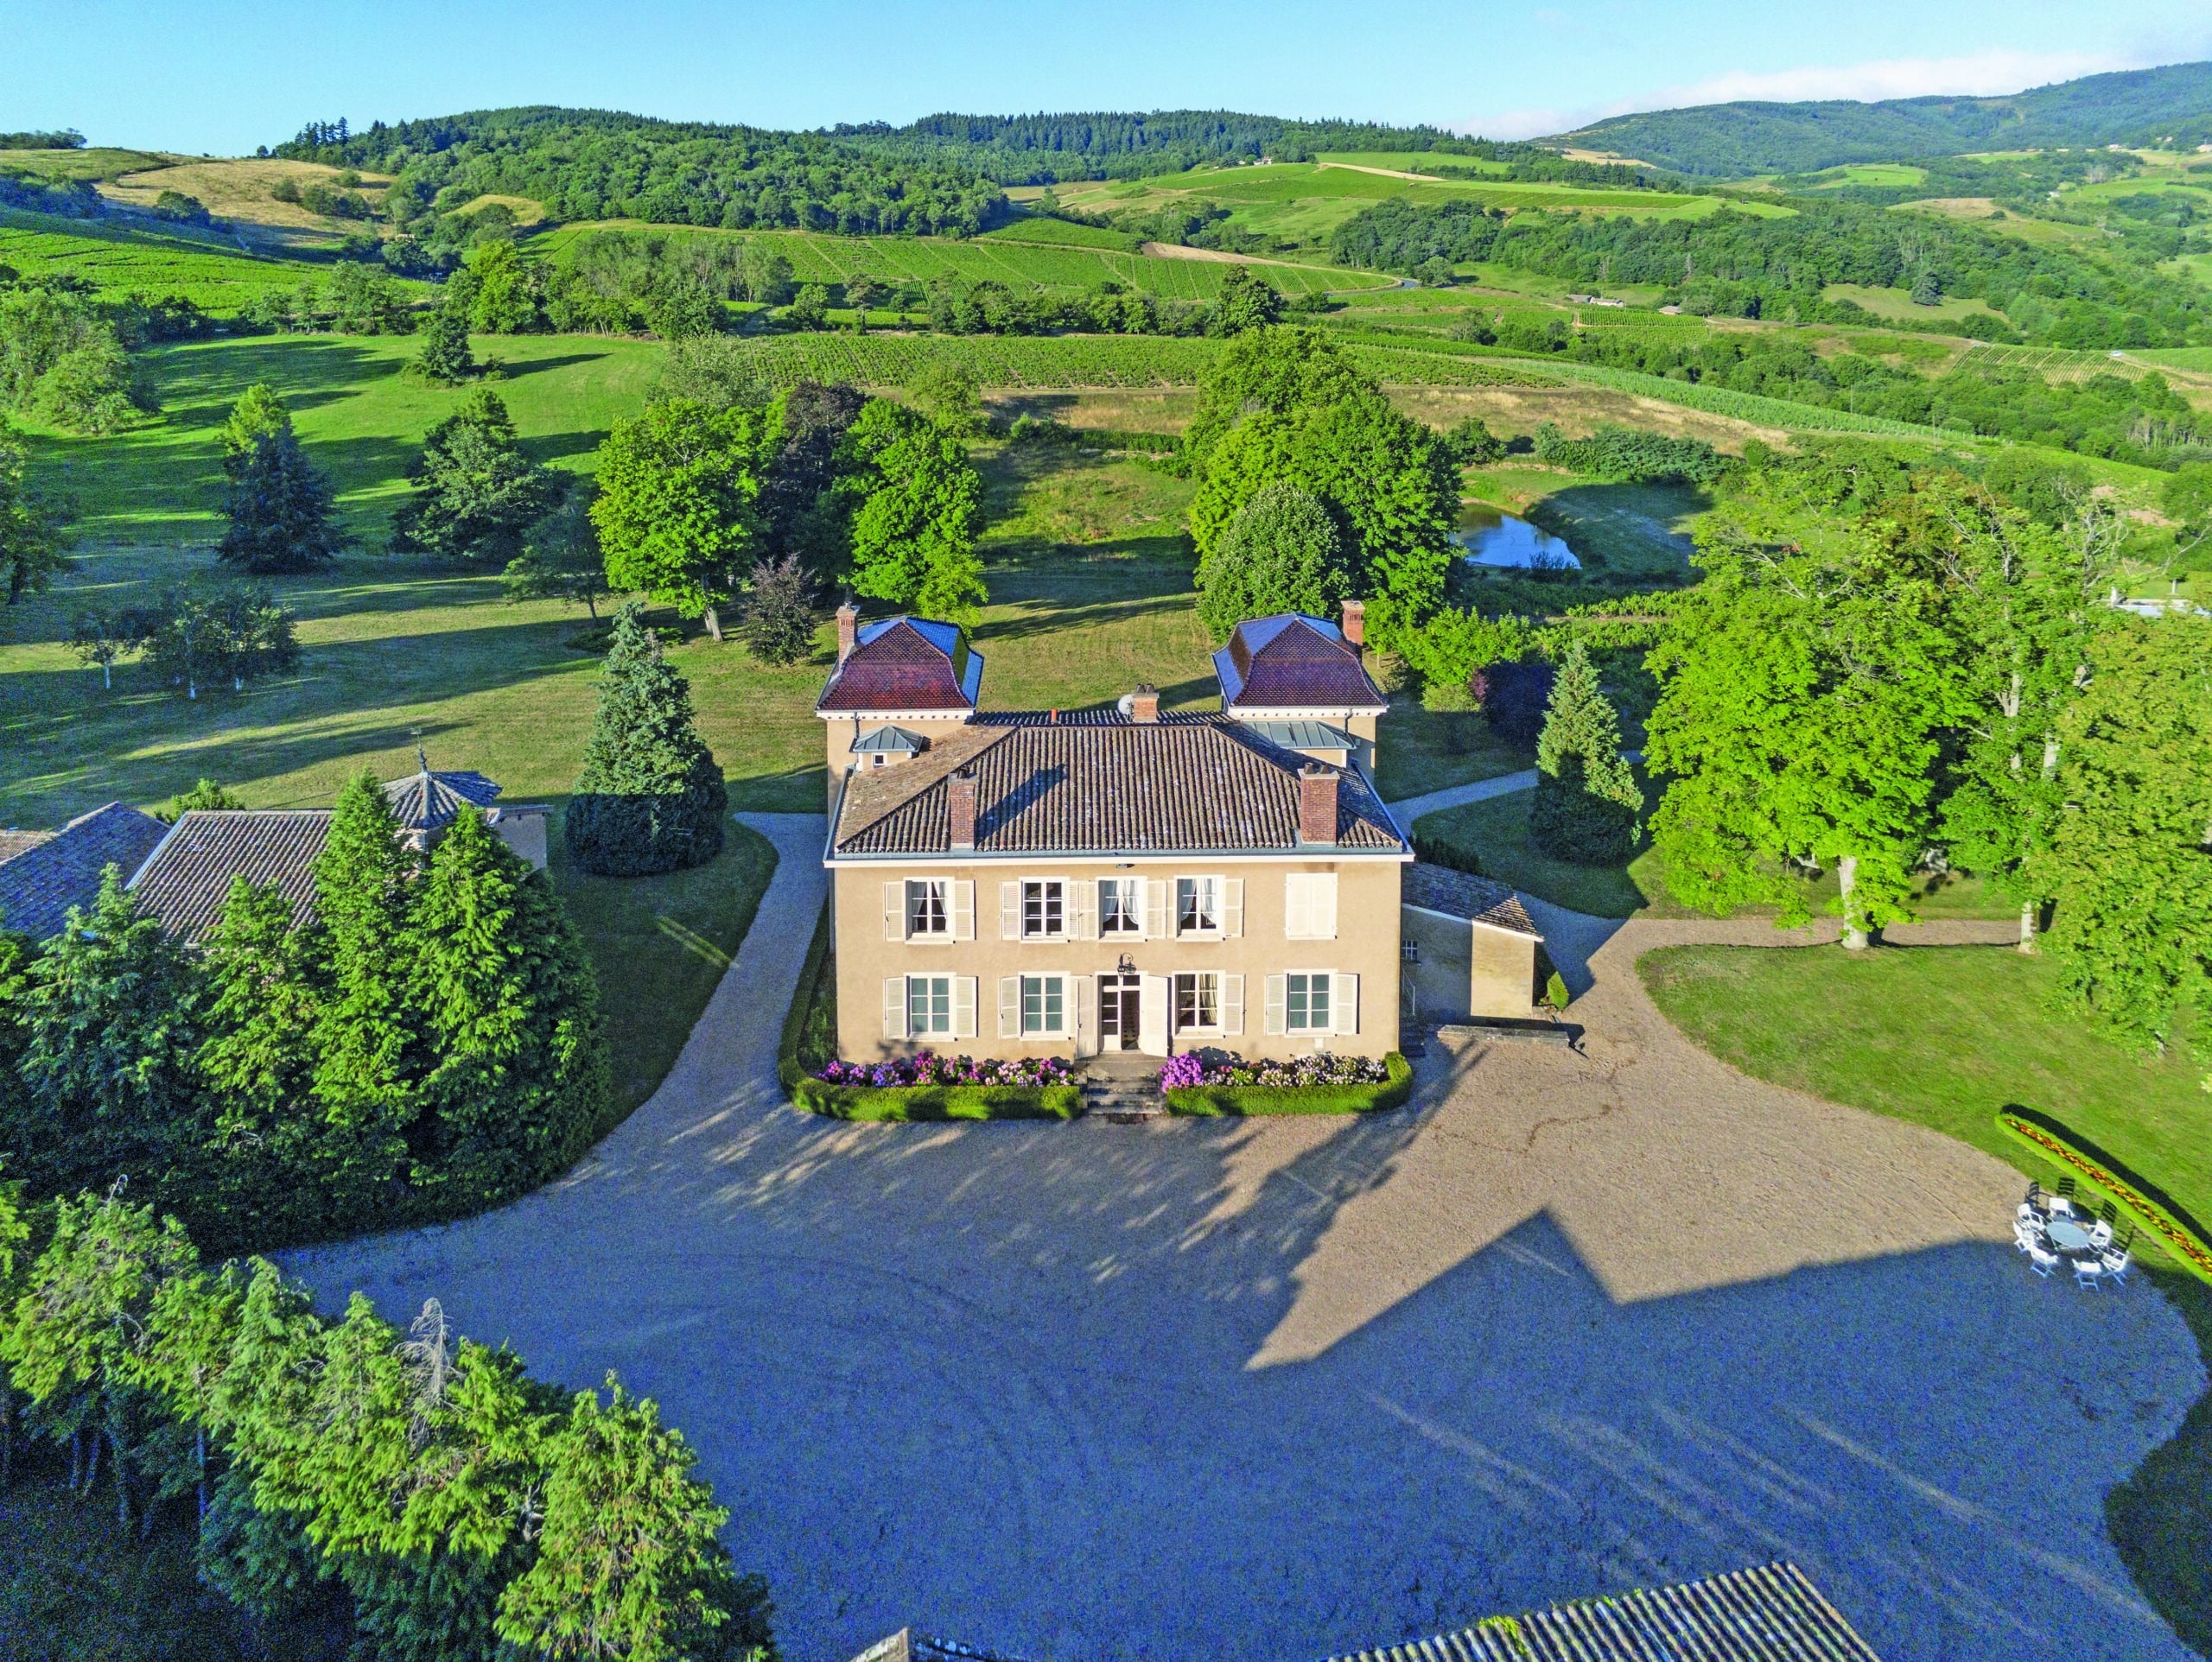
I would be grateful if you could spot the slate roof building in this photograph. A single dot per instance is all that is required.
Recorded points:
(1471, 950)
(44, 874)
(1118, 878)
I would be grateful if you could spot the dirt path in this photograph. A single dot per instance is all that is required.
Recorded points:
(1385, 173)
(1569, 1323)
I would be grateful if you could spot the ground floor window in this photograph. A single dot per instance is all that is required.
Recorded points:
(1198, 1000)
(929, 1007)
(1306, 1001)
(1044, 1009)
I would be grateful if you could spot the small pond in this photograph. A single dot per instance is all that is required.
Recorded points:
(1493, 537)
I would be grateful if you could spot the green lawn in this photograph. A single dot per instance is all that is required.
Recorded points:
(1497, 833)
(1944, 1037)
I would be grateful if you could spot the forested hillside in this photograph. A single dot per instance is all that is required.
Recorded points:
(2133, 106)
(598, 164)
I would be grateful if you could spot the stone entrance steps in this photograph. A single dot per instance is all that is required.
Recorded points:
(1122, 1089)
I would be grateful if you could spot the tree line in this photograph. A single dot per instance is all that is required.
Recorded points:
(1734, 263)
(427, 1044)
(355, 1489)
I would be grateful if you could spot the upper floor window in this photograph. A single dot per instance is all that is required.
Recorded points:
(1044, 909)
(928, 907)
(1121, 905)
(1197, 905)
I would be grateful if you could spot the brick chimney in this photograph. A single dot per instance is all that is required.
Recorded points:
(1317, 805)
(1144, 705)
(1356, 622)
(960, 807)
(848, 625)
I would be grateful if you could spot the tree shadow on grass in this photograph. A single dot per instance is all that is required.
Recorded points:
(538, 366)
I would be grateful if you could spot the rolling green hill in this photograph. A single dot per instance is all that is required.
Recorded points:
(2130, 106)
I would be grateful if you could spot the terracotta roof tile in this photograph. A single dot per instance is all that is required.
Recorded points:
(188, 879)
(907, 663)
(1096, 782)
(1292, 662)
(43, 874)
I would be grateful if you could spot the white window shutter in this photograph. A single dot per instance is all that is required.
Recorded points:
(1159, 895)
(1082, 1015)
(1083, 903)
(1321, 903)
(1278, 1003)
(1009, 1007)
(1297, 907)
(1009, 911)
(894, 911)
(1232, 1006)
(894, 1007)
(963, 915)
(963, 1006)
(1346, 1004)
(1232, 907)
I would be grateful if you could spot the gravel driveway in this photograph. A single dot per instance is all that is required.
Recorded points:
(1571, 1323)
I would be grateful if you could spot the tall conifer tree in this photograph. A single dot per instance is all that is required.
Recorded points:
(651, 796)
(1587, 802)
(366, 1065)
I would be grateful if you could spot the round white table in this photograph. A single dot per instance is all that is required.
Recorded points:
(2067, 1235)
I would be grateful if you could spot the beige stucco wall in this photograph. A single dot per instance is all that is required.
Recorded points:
(843, 731)
(1365, 944)
(1468, 971)
(524, 833)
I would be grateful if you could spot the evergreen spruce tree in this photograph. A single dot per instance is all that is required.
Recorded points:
(510, 1012)
(476, 493)
(444, 356)
(279, 506)
(108, 1064)
(1588, 803)
(651, 796)
(366, 1061)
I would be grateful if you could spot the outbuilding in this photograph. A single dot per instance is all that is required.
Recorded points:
(1471, 950)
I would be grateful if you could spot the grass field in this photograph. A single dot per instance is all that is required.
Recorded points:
(117, 260)
(1898, 303)
(237, 191)
(95, 163)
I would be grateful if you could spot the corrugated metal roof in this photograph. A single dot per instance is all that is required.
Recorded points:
(1303, 735)
(189, 876)
(1771, 1613)
(1201, 784)
(44, 874)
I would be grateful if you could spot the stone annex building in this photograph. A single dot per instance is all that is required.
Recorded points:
(1078, 882)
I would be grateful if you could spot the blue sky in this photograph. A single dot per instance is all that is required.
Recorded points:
(221, 76)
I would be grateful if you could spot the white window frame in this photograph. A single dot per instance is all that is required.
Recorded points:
(958, 907)
(928, 986)
(1309, 909)
(1046, 886)
(942, 901)
(1328, 980)
(1198, 979)
(1013, 1022)
(1228, 907)
(898, 1007)
(1132, 909)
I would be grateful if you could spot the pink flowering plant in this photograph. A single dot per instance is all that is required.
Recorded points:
(928, 1067)
(1190, 1069)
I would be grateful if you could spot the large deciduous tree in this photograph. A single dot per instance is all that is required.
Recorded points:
(913, 535)
(1283, 406)
(1282, 553)
(676, 507)
(33, 537)
(651, 796)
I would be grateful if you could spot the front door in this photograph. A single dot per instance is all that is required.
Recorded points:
(1119, 1011)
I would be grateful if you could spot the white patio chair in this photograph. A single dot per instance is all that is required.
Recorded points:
(2061, 1207)
(2027, 1212)
(2088, 1272)
(2115, 1265)
(2100, 1234)
(2042, 1261)
(2026, 1235)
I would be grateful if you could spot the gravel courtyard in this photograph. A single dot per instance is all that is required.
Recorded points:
(1273, 1389)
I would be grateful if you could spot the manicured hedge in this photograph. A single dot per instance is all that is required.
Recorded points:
(789, 1067)
(1300, 1099)
(938, 1101)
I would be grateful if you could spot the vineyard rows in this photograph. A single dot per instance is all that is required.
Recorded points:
(817, 258)
(1751, 407)
(997, 361)
(212, 280)
(2052, 363)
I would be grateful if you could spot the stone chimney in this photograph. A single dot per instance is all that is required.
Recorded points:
(848, 625)
(1144, 705)
(1317, 805)
(960, 807)
(1356, 623)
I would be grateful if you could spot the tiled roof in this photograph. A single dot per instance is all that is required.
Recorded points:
(1100, 784)
(905, 663)
(43, 874)
(1462, 894)
(425, 800)
(1772, 1613)
(1292, 662)
(188, 879)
